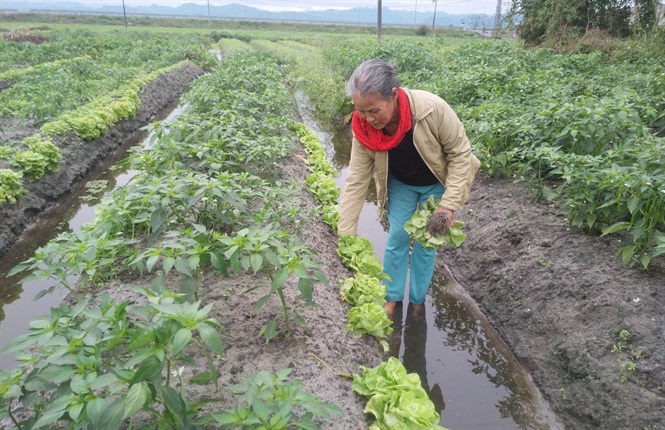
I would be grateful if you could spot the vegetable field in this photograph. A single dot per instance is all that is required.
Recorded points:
(76, 82)
(213, 291)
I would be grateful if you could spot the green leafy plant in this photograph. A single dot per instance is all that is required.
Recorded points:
(417, 228)
(272, 402)
(32, 164)
(98, 365)
(396, 398)
(369, 318)
(363, 289)
(93, 119)
(11, 185)
(627, 368)
(357, 253)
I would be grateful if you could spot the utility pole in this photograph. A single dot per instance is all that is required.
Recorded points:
(124, 12)
(378, 22)
(434, 18)
(415, 14)
(208, 14)
(497, 20)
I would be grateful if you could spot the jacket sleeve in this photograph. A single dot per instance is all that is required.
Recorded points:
(361, 167)
(462, 164)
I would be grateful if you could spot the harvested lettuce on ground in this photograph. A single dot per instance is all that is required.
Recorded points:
(331, 216)
(350, 245)
(370, 318)
(357, 253)
(397, 399)
(323, 187)
(417, 228)
(363, 289)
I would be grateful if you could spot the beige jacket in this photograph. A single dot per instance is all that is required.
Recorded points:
(439, 137)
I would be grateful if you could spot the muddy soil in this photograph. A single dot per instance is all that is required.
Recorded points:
(561, 299)
(247, 352)
(80, 156)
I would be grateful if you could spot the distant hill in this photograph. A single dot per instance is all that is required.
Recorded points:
(354, 16)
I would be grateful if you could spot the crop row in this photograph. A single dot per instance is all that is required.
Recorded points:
(101, 63)
(396, 398)
(88, 122)
(209, 197)
(582, 131)
(57, 64)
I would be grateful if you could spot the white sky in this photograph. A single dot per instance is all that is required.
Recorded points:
(448, 6)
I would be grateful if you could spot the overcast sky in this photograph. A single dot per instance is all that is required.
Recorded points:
(449, 6)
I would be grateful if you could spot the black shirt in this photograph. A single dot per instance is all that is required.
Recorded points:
(406, 164)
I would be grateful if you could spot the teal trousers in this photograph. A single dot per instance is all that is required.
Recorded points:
(403, 201)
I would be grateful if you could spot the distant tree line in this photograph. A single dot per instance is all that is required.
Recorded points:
(552, 19)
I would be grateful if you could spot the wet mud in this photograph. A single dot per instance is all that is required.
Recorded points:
(80, 156)
(589, 330)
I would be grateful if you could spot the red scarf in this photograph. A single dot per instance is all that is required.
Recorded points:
(374, 139)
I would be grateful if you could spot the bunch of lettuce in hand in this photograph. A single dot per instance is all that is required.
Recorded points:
(417, 227)
(396, 398)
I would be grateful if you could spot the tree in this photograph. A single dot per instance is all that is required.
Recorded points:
(554, 19)
(646, 14)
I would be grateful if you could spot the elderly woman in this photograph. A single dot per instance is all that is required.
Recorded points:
(415, 146)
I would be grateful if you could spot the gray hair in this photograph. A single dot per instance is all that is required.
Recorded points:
(373, 76)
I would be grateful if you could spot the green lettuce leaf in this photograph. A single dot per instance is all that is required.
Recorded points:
(370, 318)
(397, 399)
(357, 253)
(417, 228)
(363, 289)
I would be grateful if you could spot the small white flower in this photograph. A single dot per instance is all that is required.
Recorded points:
(636, 300)
(649, 184)
(178, 372)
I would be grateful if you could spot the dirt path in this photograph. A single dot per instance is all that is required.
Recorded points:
(80, 156)
(589, 330)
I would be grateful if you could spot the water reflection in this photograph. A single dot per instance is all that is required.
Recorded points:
(465, 368)
(412, 330)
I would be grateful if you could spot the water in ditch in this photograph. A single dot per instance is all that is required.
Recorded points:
(17, 307)
(470, 374)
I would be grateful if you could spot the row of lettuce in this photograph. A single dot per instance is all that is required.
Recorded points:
(37, 155)
(582, 131)
(84, 95)
(397, 399)
(209, 197)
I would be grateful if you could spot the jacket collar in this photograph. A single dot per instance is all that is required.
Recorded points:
(419, 108)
